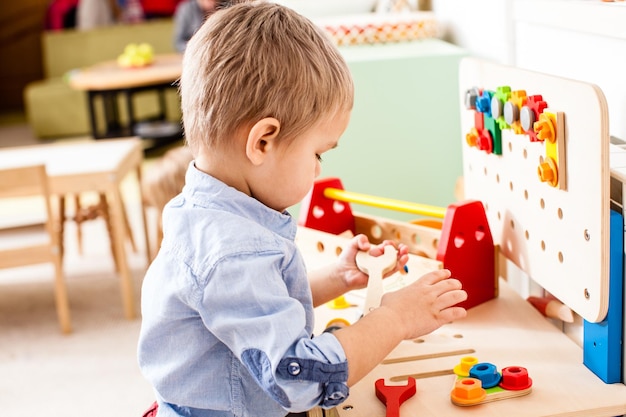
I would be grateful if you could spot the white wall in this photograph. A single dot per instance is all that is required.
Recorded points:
(482, 27)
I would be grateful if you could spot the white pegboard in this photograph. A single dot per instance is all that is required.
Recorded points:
(559, 237)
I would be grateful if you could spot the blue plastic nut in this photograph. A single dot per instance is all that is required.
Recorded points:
(483, 103)
(487, 373)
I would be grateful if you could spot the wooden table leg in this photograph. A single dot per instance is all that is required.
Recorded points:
(119, 234)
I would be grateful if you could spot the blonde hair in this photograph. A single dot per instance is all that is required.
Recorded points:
(259, 59)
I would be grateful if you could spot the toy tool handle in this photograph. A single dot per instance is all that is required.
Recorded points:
(386, 203)
(375, 267)
(394, 395)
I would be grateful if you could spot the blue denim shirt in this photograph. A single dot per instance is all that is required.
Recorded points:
(227, 313)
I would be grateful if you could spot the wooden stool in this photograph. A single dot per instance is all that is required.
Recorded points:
(92, 212)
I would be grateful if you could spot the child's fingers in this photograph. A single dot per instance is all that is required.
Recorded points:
(452, 313)
(362, 242)
(436, 276)
(450, 298)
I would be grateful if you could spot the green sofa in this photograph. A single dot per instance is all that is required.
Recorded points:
(55, 110)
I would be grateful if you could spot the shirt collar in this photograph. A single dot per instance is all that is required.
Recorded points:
(207, 191)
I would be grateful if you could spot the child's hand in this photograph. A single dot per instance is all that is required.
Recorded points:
(426, 304)
(347, 268)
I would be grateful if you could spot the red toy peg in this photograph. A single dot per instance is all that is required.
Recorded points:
(466, 248)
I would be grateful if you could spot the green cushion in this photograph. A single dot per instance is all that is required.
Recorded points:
(54, 109)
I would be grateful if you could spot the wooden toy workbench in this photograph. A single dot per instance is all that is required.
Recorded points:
(555, 230)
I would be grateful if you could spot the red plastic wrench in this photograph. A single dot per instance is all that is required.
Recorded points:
(394, 395)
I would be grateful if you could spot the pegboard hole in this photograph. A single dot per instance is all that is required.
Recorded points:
(347, 407)
(587, 235)
(458, 336)
(511, 185)
(542, 203)
(527, 235)
(587, 294)
(318, 212)
(543, 245)
(525, 194)
(416, 239)
(499, 216)
(435, 243)
(418, 340)
(485, 171)
(525, 153)
(338, 250)
(498, 178)
(561, 257)
(376, 231)
(512, 223)
(320, 247)
(396, 233)
(510, 147)
(459, 240)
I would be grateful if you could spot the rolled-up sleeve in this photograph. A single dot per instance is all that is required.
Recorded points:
(259, 305)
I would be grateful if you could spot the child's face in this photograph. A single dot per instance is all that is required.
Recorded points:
(295, 165)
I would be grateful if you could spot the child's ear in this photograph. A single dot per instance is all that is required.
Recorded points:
(262, 139)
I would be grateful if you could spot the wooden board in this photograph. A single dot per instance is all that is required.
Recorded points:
(506, 331)
(559, 237)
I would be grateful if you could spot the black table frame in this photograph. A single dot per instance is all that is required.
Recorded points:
(112, 121)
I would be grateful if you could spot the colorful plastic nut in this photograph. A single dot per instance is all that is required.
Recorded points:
(545, 127)
(487, 373)
(527, 118)
(529, 114)
(472, 137)
(483, 103)
(485, 143)
(512, 107)
(498, 99)
(511, 113)
(470, 98)
(463, 368)
(468, 391)
(515, 378)
(548, 171)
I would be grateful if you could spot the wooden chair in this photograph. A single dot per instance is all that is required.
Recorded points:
(163, 181)
(27, 242)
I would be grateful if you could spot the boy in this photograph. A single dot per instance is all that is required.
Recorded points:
(227, 307)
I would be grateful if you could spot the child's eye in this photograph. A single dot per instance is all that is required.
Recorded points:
(319, 157)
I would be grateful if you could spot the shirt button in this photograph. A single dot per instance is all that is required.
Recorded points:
(293, 368)
(337, 395)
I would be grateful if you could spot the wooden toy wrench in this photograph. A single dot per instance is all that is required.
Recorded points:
(394, 395)
(376, 267)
